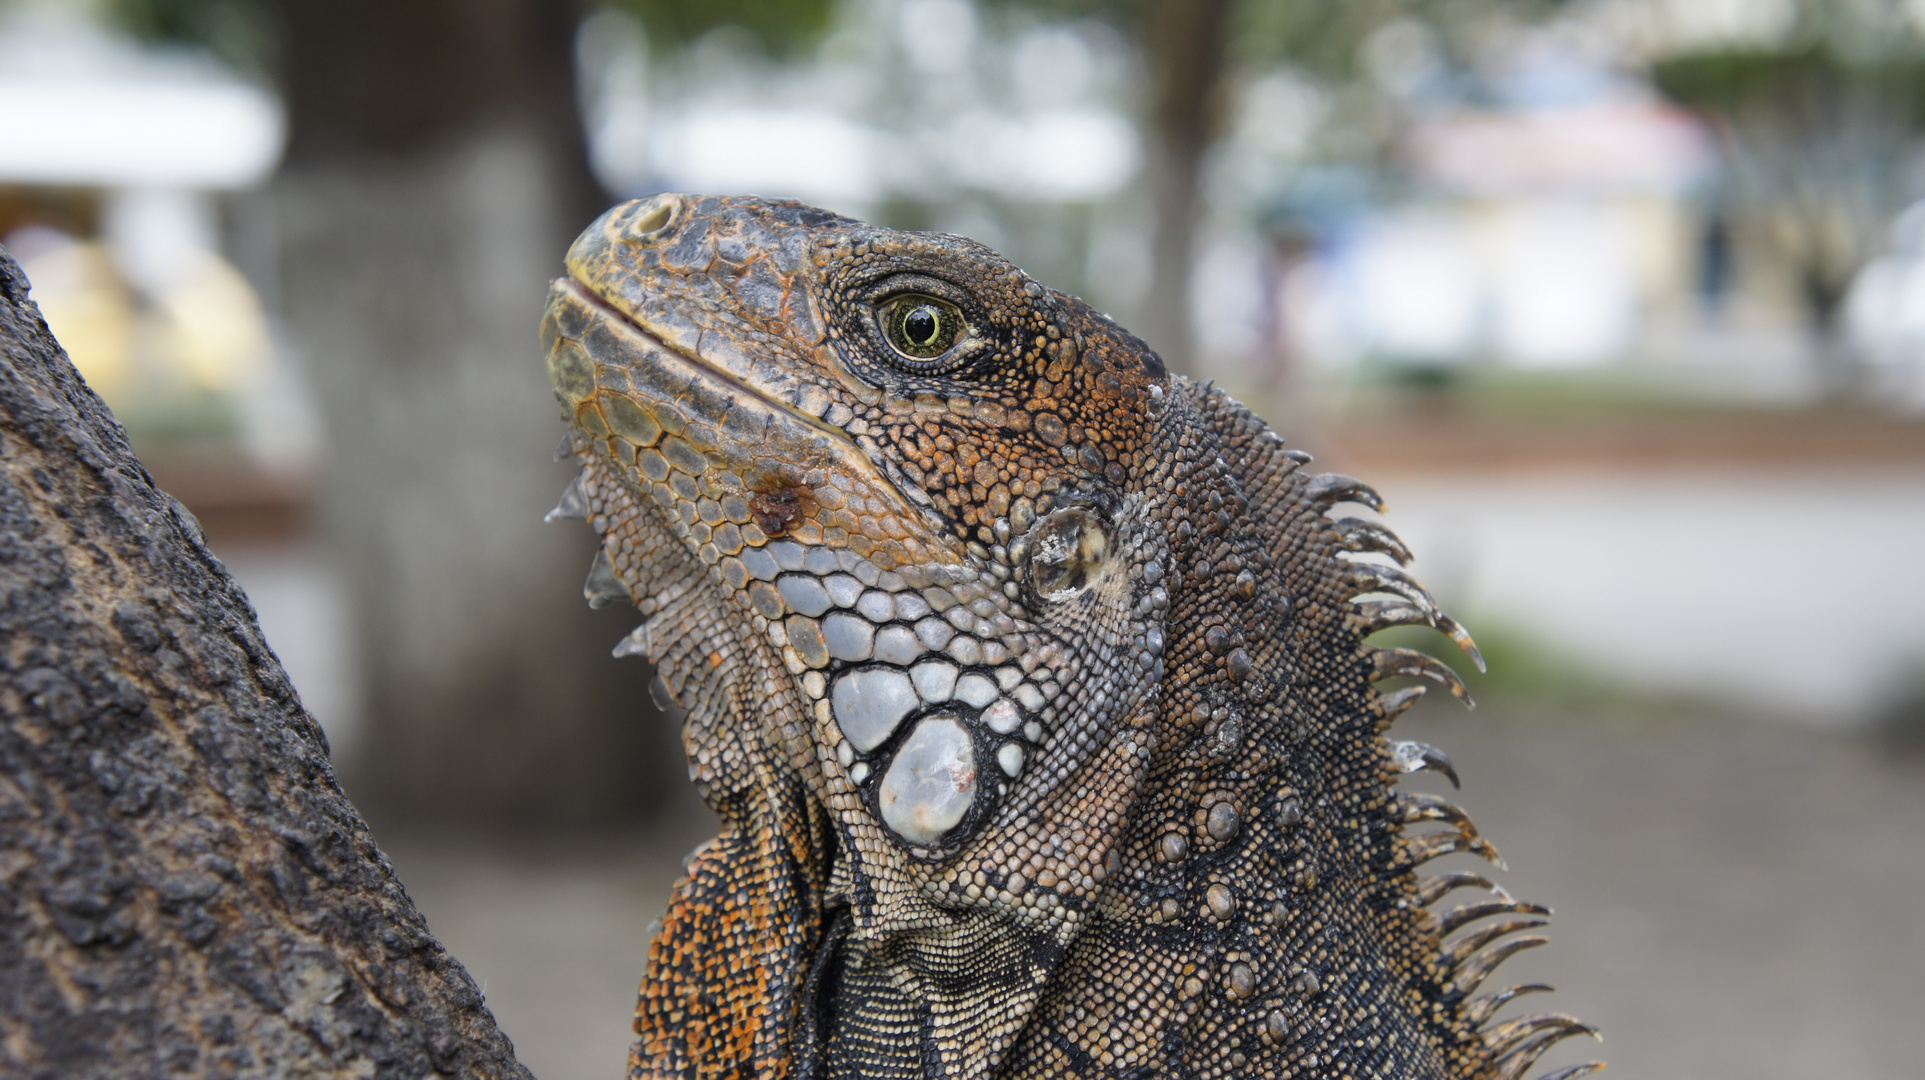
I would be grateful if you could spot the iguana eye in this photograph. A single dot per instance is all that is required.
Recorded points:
(1066, 553)
(920, 327)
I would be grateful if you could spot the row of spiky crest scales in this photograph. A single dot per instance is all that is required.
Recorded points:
(1333, 754)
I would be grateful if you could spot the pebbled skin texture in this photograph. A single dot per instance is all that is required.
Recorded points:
(1029, 683)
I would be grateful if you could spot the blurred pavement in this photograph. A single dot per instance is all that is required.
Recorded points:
(1734, 899)
(554, 930)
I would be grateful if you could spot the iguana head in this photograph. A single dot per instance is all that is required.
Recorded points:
(994, 638)
(913, 469)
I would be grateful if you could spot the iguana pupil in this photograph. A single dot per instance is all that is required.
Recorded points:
(1030, 682)
(922, 327)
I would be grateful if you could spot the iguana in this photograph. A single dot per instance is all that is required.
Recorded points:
(1029, 681)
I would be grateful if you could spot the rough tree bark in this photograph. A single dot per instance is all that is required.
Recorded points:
(184, 890)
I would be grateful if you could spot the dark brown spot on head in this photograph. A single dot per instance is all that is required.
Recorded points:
(781, 507)
(778, 501)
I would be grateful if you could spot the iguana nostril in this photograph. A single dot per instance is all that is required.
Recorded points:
(655, 216)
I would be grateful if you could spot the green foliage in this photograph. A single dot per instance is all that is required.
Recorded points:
(1808, 85)
(1324, 37)
(241, 32)
(781, 27)
(1834, 55)
(1124, 14)
(1319, 36)
(1822, 125)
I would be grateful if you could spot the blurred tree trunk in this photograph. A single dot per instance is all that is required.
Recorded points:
(1184, 41)
(435, 176)
(184, 890)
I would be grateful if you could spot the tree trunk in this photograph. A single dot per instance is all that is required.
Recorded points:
(184, 890)
(1185, 40)
(435, 177)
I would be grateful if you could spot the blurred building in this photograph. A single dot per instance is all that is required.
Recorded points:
(998, 123)
(1885, 314)
(129, 183)
(116, 163)
(1543, 227)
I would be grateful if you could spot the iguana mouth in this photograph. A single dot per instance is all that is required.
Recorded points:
(676, 424)
(621, 379)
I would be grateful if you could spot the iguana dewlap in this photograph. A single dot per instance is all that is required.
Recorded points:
(1028, 680)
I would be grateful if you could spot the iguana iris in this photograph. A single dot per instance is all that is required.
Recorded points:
(1029, 681)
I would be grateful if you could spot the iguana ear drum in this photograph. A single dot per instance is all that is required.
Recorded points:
(1067, 553)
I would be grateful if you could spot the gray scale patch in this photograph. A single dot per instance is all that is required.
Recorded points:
(910, 607)
(934, 633)
(961, 619)
(870, 703)
(965, 650)
(849, 636)
(760, 563)
(1031, 697)
(932, 782)
(1010, 758)
(843, 590)
(897, 645)
(975, 690)
(820, 560)
(848, 560)
(803, 593)
(935, 681)
(1008, 677)
(877, 607)
(788, 554)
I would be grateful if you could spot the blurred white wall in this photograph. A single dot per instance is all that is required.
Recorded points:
(1792, 593)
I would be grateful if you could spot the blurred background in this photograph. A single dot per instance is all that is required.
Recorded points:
(1621, 303)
